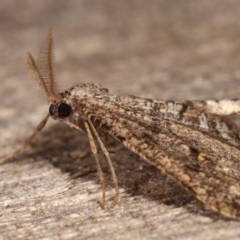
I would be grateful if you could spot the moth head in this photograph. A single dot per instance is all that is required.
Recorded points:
(42, 71)
(60, 110)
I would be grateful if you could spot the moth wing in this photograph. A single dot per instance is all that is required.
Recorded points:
(206, 164)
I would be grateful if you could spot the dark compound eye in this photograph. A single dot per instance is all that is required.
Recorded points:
(51, 109)
(64, 110)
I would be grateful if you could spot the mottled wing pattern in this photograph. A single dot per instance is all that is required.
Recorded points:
(210, 116)
(203, 162)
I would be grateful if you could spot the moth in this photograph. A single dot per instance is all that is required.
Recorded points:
(191, 141)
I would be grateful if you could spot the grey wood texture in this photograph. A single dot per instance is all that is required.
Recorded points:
(158, 49)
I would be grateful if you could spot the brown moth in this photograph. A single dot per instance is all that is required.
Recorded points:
(190, 141)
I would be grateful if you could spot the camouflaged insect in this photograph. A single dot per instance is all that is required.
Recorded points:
(190, 141)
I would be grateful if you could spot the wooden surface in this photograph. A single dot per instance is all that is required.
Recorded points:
(158, 49)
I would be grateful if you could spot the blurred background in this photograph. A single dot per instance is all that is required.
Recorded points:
(156, 48)
(178, 49)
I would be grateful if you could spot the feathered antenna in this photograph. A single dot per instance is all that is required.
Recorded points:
(43, 72)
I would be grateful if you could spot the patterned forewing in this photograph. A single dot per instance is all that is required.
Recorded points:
(204, 164)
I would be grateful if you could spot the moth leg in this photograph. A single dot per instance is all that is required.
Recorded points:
(27, 142)
(115, 148)
(84, 153)
(83, 172)
(95, 154)
(106, 154)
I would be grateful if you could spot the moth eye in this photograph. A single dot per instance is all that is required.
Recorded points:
(64, 110)
(51, 110)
